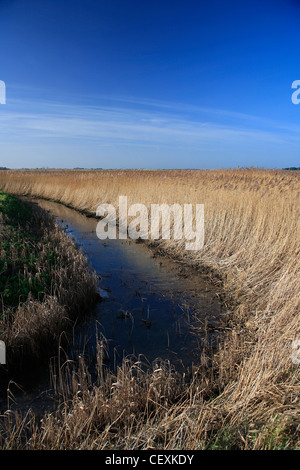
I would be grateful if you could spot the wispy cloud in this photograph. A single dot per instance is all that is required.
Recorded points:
(157, 123)
(120, 129)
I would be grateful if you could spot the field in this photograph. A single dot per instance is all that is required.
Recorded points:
(250, 397)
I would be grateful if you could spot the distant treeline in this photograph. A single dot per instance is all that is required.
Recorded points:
(3, 168)
(292, 168)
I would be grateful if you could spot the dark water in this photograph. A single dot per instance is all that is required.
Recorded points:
(148, 302)
(150, 305)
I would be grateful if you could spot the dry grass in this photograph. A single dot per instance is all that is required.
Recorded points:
(252, 251)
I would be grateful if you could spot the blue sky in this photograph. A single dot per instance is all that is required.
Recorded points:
(149, 84)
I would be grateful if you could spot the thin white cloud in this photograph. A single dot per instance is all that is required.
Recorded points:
(159, 123)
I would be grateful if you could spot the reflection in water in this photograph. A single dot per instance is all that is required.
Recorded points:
(149, 303)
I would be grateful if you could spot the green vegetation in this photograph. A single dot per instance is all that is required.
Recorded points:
(24, 268)
(45, 282)
(16, 211)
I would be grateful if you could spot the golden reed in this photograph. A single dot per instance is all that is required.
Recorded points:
(252, 246)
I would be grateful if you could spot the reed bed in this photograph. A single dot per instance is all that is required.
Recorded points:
(249, 399)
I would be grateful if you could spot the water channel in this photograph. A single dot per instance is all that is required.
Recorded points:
(150, 305)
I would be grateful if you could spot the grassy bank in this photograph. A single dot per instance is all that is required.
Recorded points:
(249, 399)
(45, 283)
